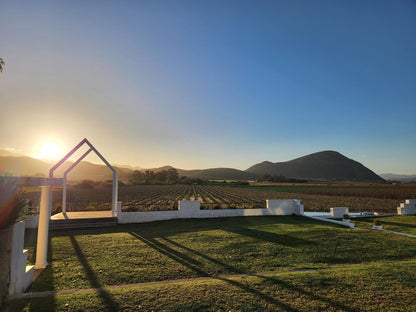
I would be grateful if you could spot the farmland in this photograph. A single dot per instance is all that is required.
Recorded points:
(383, 198)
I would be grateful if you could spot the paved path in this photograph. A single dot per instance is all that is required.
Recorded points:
(398, 233)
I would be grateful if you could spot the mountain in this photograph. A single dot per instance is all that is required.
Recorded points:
(23, 166)
(128, 167)
(326, 165)
(27, 166)
(7, 153)
(398, 177)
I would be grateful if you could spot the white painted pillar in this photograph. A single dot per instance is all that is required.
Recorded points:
(43, 228)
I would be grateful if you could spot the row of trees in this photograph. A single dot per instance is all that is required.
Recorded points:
(279, 178)
(154, 177)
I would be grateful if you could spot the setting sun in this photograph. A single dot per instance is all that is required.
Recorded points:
(49, 150)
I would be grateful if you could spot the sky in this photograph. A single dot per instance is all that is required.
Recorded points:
(203, 84)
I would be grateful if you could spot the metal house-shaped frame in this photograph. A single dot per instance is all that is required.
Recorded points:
(46, 201)
(91, 148)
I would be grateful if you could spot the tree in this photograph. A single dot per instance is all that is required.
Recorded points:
(173, 175)
(1, 64)
(149, 176)
(136, 177)
(161, 176)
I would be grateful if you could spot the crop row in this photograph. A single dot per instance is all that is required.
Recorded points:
(166, 197)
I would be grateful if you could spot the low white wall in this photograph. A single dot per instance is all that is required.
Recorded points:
(338, 212)
(20, 274)
(407, 208)
(146, 216)
(191, 209)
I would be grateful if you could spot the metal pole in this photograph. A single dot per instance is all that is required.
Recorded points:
(64, 196)
(115, 194)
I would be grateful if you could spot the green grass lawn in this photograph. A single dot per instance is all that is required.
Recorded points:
(403, 224)
(179, 249)
(386, 287)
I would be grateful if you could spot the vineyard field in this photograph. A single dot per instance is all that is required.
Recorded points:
(380, 198)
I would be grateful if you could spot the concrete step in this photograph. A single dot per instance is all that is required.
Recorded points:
(82, 223)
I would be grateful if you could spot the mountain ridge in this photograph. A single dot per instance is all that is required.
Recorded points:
(325, 165)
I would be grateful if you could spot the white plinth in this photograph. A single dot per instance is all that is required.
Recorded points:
(338, 212)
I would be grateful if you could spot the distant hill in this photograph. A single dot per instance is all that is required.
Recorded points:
(326, 165)
(27, 166)
(127, 167)
(6, 153)
(398, 177)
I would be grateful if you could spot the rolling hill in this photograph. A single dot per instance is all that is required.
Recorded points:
(27, 166)
(326, 165)
(399, 177)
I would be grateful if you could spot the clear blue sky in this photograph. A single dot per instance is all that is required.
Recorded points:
(199, 84)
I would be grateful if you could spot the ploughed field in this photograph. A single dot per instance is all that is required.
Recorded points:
(384, 198)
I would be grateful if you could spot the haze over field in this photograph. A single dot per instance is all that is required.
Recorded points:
(210, 84)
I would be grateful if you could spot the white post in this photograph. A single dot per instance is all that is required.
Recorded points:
(115, 194)
(118, 208)
(43, 228)
(64, 195)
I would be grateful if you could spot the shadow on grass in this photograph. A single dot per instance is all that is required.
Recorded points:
(105, 296)
(171, 253)
(179, 226)
(269, 299)
(398, 224)
(200, 254)
(281, 239)
(186, 260)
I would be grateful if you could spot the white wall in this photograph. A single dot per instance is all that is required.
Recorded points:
(338, 212)
(20, 274)
(191, 209)
(407, 208)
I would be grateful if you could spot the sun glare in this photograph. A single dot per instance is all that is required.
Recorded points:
(49, 150)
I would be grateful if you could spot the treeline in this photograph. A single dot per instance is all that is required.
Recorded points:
(279, 179)
(168, 176)
(171, 176)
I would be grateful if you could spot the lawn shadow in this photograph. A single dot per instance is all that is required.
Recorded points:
(105, 296)
(180, 226)
(228, 267)
(281, 239)
(398, 224)
(188, 262)
(273, 280)
(172, 254)
(288, 285)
